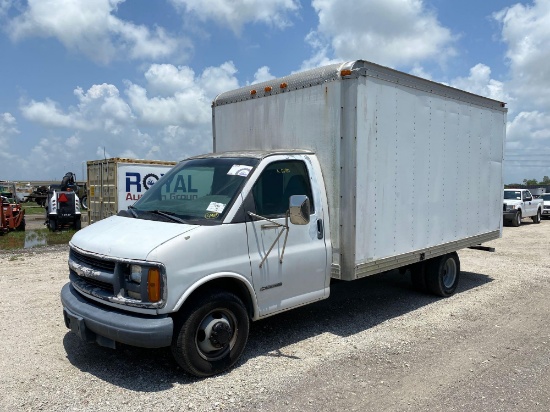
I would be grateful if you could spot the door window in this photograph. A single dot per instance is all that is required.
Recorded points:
(277, 183)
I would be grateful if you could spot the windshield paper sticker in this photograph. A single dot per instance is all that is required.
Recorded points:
(215, 207)
(239, 170)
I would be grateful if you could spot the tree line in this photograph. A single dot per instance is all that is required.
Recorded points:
(530, 182)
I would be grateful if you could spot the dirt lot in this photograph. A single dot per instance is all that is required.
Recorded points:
(375, 345)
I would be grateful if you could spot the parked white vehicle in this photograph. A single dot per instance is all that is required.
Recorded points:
(546, 207)
(519, 203)
(340, 172)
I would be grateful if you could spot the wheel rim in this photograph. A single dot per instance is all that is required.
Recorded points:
(518, 217)
(449, 273)
(216, 334)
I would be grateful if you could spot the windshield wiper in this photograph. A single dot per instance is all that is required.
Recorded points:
(168, 215)
(132, 211)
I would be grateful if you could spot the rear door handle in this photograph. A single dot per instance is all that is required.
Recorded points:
(320, 230)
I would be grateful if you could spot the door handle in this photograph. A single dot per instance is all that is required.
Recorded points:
(320, 231)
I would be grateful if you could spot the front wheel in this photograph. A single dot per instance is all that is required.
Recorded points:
(442, 274)
(210, 336)
(52, 225)
(536, 219)
(516, 221)
(21, 226)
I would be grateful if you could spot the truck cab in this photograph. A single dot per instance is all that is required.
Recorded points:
(231, 229)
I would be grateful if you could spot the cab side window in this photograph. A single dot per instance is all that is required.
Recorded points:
(277, 183)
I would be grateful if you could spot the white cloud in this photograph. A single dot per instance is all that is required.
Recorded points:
(8, 124)
(73, 142)
(532, 128)
(8, 131)
(215, 80)
(526, 31)
(166, 79)
(388, 32)
(480, 82)
(166, 117)
(100, 108)
(236, 13)
(91, 28)
(49, 114)
(262, 75)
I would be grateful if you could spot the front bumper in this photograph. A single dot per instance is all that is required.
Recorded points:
(509, 215)
(104, 325)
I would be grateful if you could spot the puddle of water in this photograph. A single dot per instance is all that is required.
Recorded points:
(33, 239)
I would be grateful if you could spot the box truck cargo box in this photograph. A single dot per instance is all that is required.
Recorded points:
(412, 168)
(339, 172)
(114, 184)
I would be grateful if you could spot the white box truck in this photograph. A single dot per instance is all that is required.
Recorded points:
(339, 172)
(116, 183)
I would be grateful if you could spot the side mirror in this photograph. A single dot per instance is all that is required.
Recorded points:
(528, 199)
(299, 209)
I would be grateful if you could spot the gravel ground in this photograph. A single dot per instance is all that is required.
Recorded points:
(374, 345)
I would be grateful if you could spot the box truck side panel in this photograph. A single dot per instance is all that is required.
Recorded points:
(428, 173)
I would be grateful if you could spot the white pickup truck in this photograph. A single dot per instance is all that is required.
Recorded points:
(546, 208)
(519, 203)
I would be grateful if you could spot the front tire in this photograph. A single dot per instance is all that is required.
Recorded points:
(210, 336)
(21, 226)
(516, 221)
(52, 225)
(442, 274)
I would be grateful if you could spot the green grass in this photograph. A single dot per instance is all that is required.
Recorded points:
(34, 239)
(33, 209)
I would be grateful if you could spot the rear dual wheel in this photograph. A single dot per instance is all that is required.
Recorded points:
(438, 275)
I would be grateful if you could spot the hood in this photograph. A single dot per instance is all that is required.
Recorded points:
(127, 238)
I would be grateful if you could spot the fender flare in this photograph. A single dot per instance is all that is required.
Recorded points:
(221, 275)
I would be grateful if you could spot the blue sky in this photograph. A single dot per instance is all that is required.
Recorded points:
(135, 78)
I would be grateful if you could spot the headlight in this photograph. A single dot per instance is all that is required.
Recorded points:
(135, 273)
(146, 283)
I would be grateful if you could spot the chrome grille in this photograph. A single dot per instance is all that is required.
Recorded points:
(92, 262)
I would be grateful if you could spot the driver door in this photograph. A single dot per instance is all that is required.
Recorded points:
(289, 267)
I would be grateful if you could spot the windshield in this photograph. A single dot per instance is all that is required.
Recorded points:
(511, 194)
(546, 197)
(197, 191)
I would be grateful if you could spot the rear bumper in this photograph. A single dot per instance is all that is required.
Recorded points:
(63, 218)
(104, 325)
